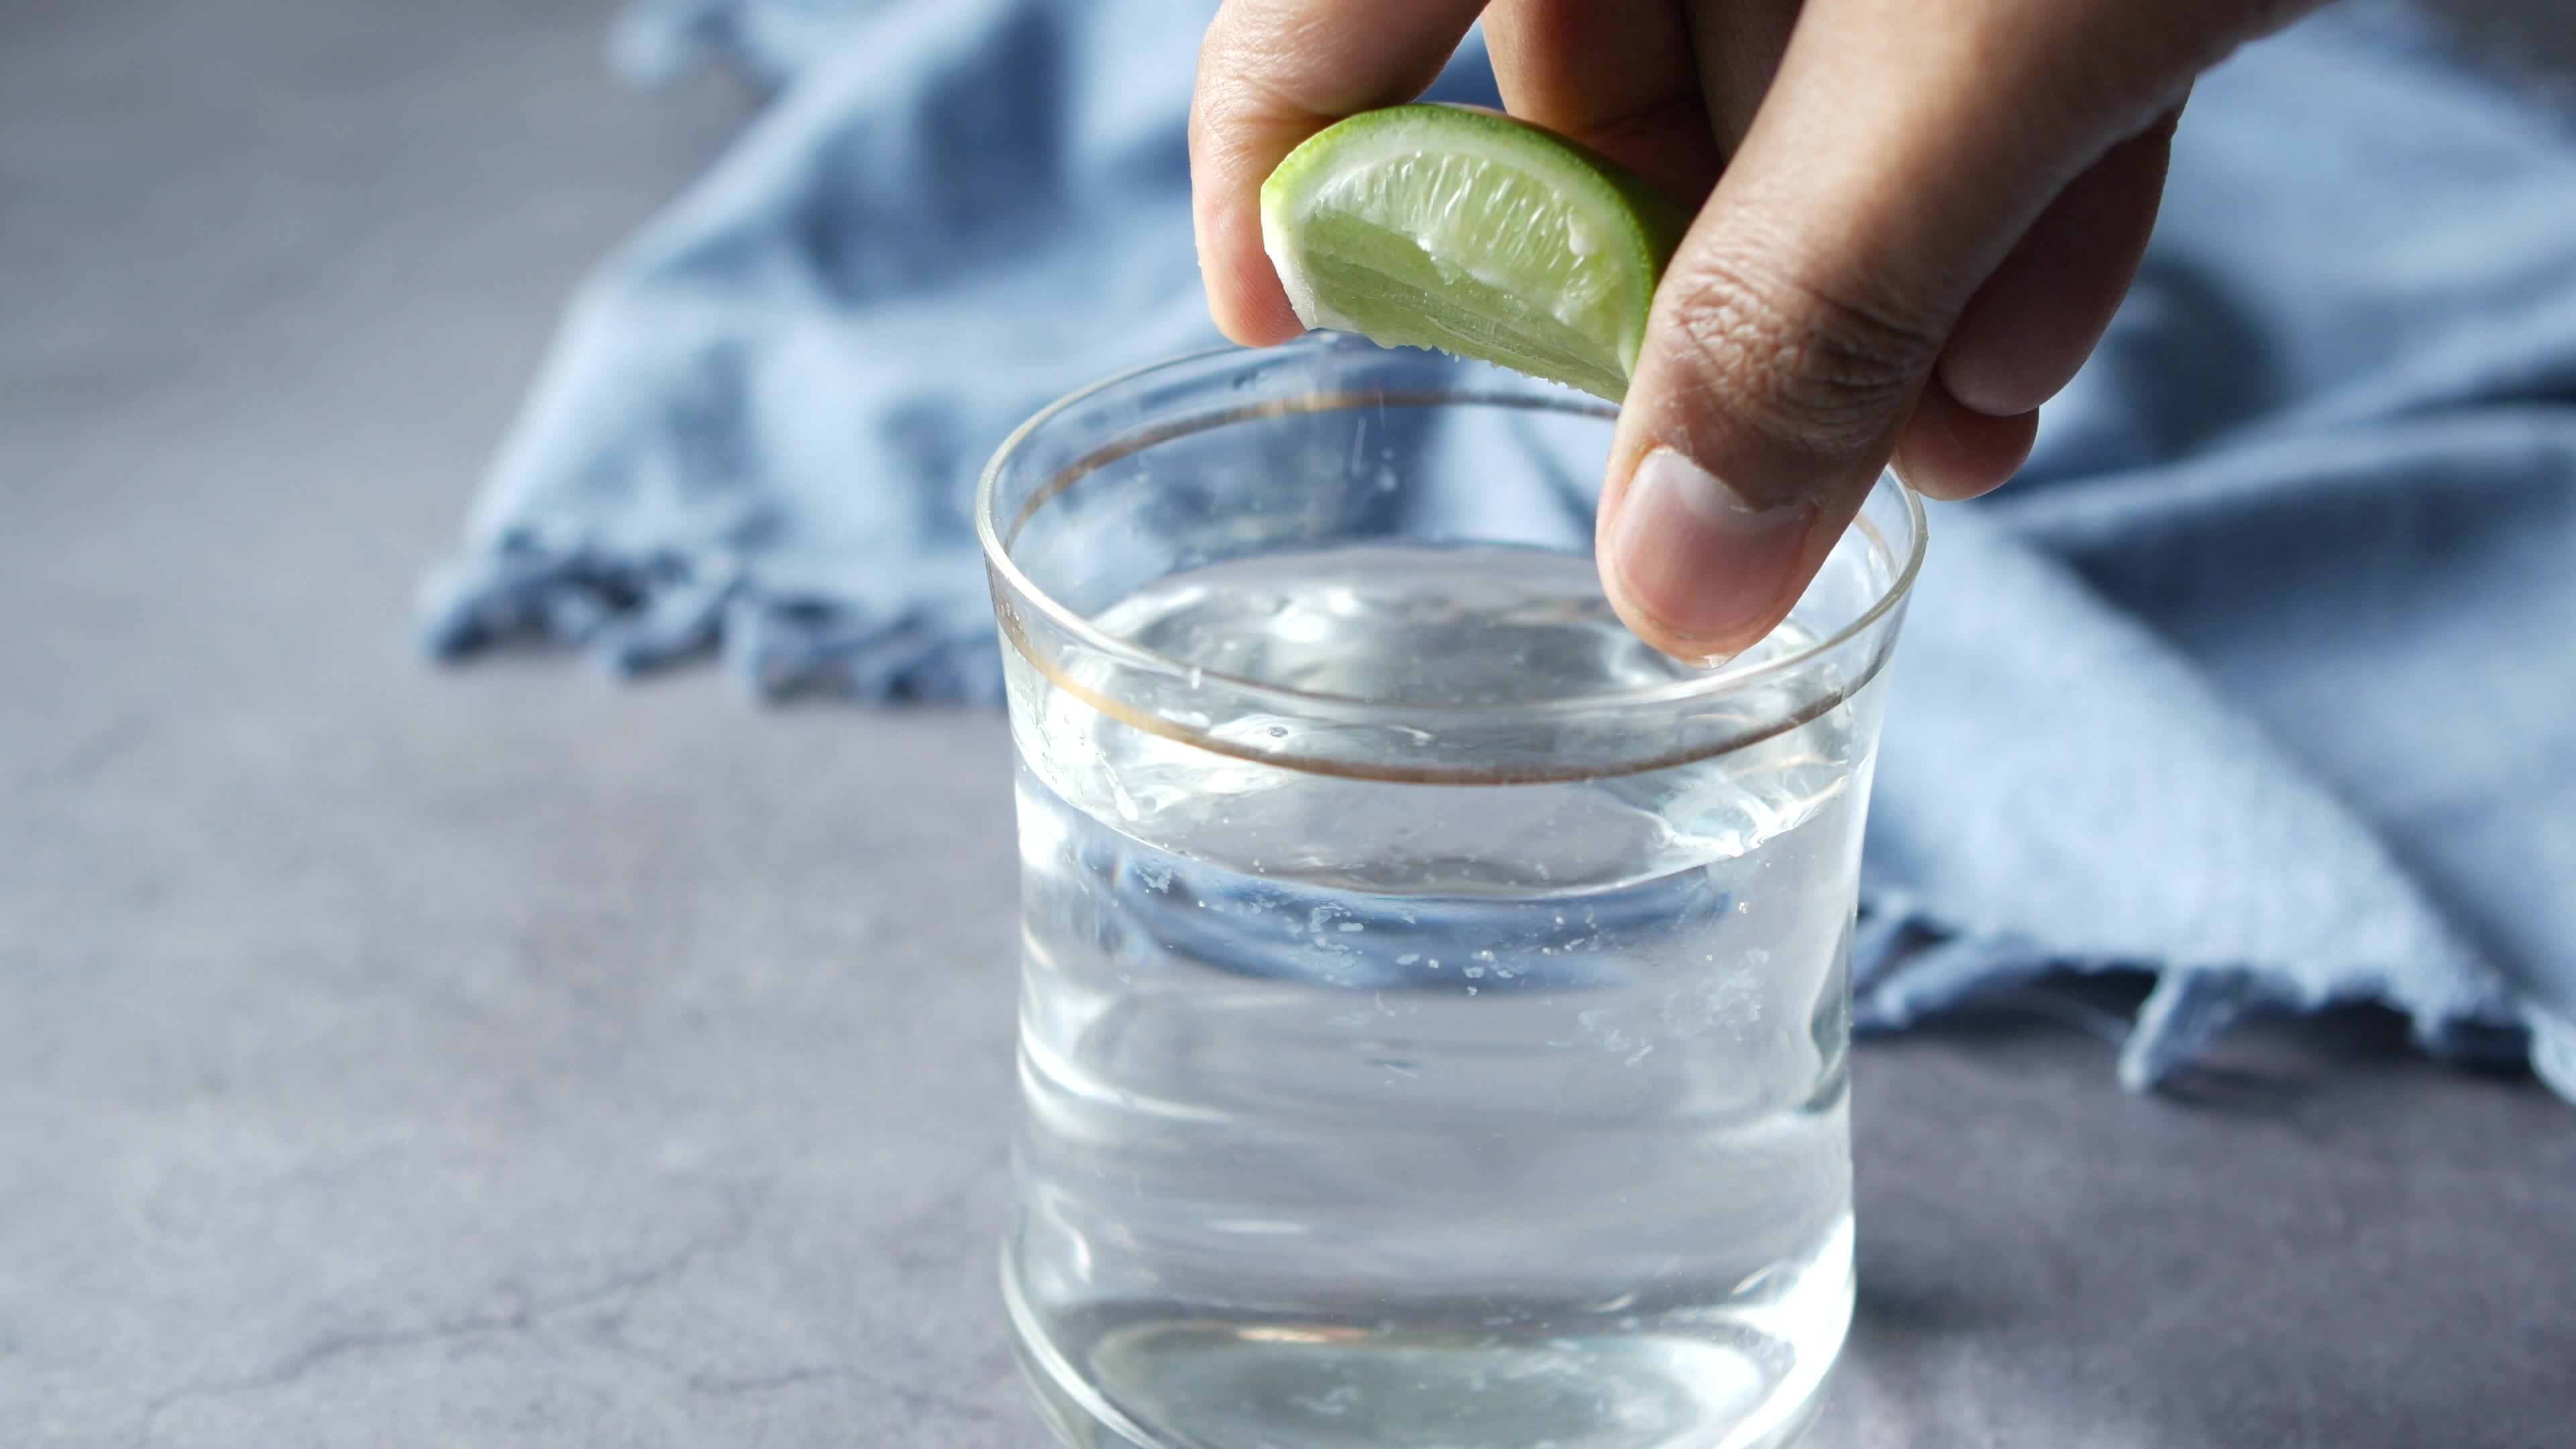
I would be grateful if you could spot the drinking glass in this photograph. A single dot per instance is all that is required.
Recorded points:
(1434, 1002)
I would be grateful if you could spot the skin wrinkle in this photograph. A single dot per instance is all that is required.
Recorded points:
(1813, 376)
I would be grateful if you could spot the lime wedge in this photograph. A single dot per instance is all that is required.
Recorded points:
(1465, 230)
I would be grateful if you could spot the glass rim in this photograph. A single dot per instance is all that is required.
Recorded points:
(1726, 679)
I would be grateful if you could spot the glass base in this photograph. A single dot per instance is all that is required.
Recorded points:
(1206, 1383)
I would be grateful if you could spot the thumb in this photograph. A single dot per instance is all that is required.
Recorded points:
(1889, 170)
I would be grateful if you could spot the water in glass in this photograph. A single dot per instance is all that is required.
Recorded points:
(1427, 1116)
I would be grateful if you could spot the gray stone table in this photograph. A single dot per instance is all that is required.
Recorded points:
(502, 1059)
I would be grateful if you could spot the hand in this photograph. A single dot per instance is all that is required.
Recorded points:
(1915, 220)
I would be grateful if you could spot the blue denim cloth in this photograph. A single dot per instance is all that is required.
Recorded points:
(2260, 679)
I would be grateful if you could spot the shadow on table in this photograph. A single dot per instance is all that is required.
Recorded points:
(2320, 1238)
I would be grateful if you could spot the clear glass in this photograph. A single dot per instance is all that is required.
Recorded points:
(1434, 1002)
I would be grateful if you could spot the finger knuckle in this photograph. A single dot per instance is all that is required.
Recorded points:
(1812, 369)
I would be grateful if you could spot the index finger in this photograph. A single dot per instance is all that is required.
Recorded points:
(1272, 73)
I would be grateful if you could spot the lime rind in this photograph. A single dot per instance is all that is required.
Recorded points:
(1465, 230)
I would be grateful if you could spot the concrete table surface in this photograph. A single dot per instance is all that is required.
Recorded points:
(500, 1058)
